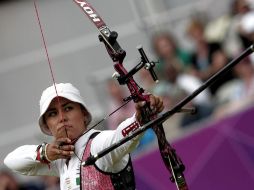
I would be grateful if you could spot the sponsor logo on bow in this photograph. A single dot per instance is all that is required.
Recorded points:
(89, 11)
(131, 128)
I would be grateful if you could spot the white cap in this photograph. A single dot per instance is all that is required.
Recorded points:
(65, 90)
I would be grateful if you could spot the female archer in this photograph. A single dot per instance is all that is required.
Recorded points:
(64, 115)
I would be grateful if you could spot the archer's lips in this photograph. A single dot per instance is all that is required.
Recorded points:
(66, 127)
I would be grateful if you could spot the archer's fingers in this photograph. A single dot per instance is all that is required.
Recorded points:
(159, 104)
(64, 154)
(139, 105)
(160, 107)
(153, 101)
(66, 147)
(54, 151)
(62, 141)
(156, 104)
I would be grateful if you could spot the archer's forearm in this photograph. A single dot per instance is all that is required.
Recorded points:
(23, 161)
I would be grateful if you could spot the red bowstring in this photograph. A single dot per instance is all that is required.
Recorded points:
(49, 62)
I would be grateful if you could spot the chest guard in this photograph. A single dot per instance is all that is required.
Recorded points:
(94, 178)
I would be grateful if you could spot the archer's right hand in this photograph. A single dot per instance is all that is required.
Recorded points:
(60, 149)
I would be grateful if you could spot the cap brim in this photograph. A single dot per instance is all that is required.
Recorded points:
(69, 96)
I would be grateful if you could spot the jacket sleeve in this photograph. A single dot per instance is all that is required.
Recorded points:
(23, 161)
(117, 159)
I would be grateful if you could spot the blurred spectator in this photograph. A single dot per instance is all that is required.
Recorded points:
(178, 83)
(244, 24)
(208, 58)
(51, 183)
(203, 50)
(202, 103)
(225, 29)
(169, 92)
(116, 95)
(237, 94)
(219, 59)
(247, 27)
(165, 46)
(247, 30)
(7, 181)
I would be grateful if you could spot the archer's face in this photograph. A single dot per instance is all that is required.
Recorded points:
(65, 118)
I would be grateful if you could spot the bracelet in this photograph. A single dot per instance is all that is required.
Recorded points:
(46, 154)
(41, 154)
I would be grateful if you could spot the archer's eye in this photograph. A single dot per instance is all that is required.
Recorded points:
(68, 108)
(51, 114)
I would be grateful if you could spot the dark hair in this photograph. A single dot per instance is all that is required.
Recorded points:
(163, 35)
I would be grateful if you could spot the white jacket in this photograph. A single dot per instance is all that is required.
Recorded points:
(23, 159)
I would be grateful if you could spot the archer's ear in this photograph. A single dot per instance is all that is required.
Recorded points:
(84, 111)
(86, 121)
(86, 117)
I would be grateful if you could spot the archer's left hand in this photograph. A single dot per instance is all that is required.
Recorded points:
(155, 103)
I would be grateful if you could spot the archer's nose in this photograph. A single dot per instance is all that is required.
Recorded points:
(63, 117)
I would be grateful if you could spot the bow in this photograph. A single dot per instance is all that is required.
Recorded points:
(172, 162)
